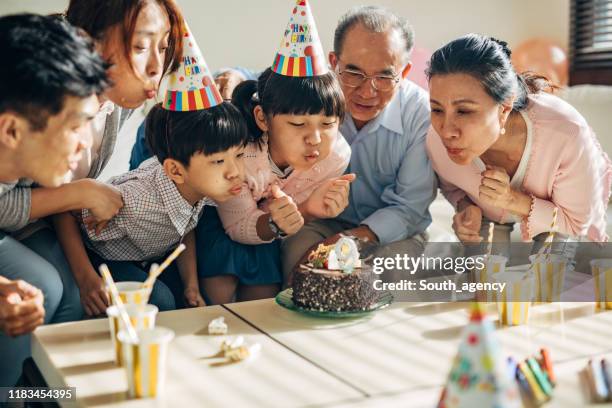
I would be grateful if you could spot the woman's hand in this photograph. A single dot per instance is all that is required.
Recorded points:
(329, 199)
(21, 307)
(466, 224)
(495, 190)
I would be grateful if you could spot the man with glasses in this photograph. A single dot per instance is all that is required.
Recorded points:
(389, 118)
(386, 127)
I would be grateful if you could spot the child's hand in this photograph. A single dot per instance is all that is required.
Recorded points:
(330, 198)
(193, 297)
(284, 212)
(93, 294)
(95, 226)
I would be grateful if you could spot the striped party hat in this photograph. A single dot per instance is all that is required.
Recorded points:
(300, 53)
(191, 87)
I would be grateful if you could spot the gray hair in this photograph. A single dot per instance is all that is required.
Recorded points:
(376, 19)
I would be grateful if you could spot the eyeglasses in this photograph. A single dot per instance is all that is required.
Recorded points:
(355, 79)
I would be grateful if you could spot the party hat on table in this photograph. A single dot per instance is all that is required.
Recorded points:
(479, 375)
(300, 53)
(191, 87)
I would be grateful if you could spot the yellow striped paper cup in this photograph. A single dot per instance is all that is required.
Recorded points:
(549, 276)
(485, 267)
(142, 317)
(132, 293)
(602, 275)
(514, 301)
(145, 361)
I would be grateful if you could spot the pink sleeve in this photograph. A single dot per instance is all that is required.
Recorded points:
(239, 216)
(452, 193)
(577, 190)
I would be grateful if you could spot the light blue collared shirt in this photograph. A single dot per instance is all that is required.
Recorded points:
(395, 181)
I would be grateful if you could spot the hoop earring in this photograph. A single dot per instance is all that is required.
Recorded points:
(502, 131)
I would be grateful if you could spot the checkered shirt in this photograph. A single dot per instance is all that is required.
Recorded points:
(153, 220)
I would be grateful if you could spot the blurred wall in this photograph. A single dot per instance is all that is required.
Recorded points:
(239, 32)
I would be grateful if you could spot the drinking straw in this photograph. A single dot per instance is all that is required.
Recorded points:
(490, 238)
(155, 272)
(118, 302)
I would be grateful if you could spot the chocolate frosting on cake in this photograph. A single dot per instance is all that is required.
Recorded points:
(327, 290)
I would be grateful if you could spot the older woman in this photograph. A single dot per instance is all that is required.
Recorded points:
(509, 152)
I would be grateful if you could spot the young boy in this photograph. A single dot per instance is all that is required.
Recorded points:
(198, 161)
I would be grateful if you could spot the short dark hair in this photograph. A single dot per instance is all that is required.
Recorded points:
(180, 135)
(97, 17)
(376, 19)
(487, 60)
(45, 60)
(279, 94)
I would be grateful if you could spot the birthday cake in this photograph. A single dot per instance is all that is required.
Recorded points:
(334, 279)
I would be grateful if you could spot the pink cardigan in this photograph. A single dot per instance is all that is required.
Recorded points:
(567, 169)
(239, 215)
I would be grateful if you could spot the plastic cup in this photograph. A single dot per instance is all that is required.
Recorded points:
(515, 299)
(549, 273)
(132, 293)
(142, 317)
(145, 361)
(491, 264)
(602, 275)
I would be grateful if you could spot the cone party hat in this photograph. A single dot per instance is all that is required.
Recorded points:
(300, 53)
(191, 87)
(479, 374)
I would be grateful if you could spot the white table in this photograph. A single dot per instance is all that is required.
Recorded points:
(80, 355)
(405, 352)
(396, 355)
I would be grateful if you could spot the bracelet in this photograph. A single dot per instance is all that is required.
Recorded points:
(276, 230)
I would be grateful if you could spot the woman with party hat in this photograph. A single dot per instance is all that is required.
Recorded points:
(198, 145)
(293, 165)
(140, 41)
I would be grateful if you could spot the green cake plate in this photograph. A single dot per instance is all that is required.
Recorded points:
(285, 299)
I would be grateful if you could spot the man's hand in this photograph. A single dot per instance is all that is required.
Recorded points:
(466, 224)
(193, 298)
(103, 201)
(284, 212)
(93, 294)
(227, 81)
(362, 233)
(21, 307)
(329, 199)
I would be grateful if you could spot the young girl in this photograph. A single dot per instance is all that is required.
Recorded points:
(293, 169)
